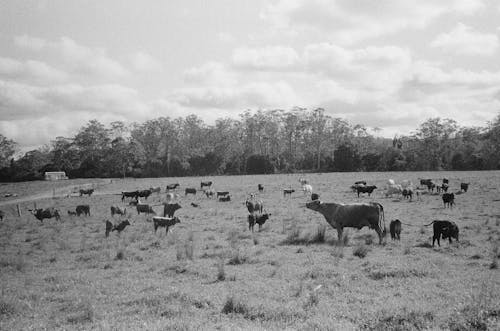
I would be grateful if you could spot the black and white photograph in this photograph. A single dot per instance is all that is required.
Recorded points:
(249, 165)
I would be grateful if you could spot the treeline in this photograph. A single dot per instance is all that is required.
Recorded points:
(272, 141)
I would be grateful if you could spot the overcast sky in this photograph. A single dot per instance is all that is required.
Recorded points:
(389, 64)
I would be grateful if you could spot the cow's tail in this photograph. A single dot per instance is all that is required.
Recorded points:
(430, 223)
(381, 218)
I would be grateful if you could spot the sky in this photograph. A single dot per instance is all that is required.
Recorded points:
(387, 64)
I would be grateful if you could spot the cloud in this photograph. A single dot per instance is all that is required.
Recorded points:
(213, 73)
(142, 61)
(464, 40)
(30, 71)
(30, 43)
(270, 58)
(225, 37)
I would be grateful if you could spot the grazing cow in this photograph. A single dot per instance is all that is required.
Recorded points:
(71, 213)
(87, 192)
(2, 214)
(172, 186)
(464, 187)
(225, 198)
(288, 191)
(83, 209)
(393, 189)
(365, 189)
(131, 194)
(165, 222)
(408, 193)
(395, 229)
(190, 191)
(144, 194)
(447, 229)
(222, 193)
(260, 219)
(119, 228)
(355, 215)
(207, 184)
(448, 199)
(314, 196)
(307, 189)
(117, 210)
(170, 208)
(254, 206)
(144, 208)
(210, 193)
(155, 189)
(41, 213)
(260, 187)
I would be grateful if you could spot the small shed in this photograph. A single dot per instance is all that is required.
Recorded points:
(55, 175)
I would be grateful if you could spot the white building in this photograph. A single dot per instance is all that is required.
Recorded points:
(55, 175)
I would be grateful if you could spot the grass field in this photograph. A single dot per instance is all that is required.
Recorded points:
(210, 272)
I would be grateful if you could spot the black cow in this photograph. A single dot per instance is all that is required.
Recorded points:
(144, 208)
(144, 194)
(170, 208)
(446, 229)
(117, 210)
(164, 222)
(314, 196)
(222, 193)
(87, 192)
(41, 213)
(288, 191)
(429, 183)
(395, 229)
(225, 198)
(365, 189)
(407, 193)
(252, 219)
(254, 206)
(190, 191)
(172, 186)
(71, 213)
(464, 187)
(448, 199)
(131, 194)
(83, 209)
(119, 228)
(207, 184)
(260, 187)
(446, 181)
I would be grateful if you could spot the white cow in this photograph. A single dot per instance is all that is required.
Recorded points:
(307, 189)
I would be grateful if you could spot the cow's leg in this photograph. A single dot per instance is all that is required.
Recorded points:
(379, 233)
(339, 235)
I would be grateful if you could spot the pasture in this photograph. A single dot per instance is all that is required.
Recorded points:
(210, 272)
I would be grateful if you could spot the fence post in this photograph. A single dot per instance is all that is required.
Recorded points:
(18, 210)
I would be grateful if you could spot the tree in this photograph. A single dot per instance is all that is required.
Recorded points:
(93, 143)
(259, 164)
(346, 158)
(7, 150)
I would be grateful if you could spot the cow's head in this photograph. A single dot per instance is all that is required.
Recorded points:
(314, 205)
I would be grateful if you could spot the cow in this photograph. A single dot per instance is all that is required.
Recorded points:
(190, 191)
(446, 181)
(406, 184)
(259, 219)
(144, 208)
(443, 187)
(133, 202)
(393, 189)
(303, 181)
(408, 193)
(260, 187)
(314, 196)
(448, 199)
(155, 189)
(170, 208)
(207, 184)
(395, 229)
(165, 222)
(447, 229)
(41, 213)
(225, 198)
(117, 210)
(119, 228)
(307, 189)
(210, 193)
(355, 215)
(464, 187)
(288, 191)
(222, 193)
(172, 186)
(86, 191)
(365, 189)
(144, 194)
(71, 213)
(425, 182)
(130, 194)
(83, 209)
(254, 206)
(2, 214)
(171, 196)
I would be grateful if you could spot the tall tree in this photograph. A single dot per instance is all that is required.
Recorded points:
(7, 150)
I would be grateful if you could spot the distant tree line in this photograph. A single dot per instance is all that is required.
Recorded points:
(271, 141)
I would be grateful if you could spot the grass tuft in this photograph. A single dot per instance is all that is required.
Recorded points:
(319, 235)
(234, 306)
(221, 273)
(120, 255)
(360, 251)
(402, 320)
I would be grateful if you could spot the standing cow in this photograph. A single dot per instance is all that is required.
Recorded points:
(446, 229)
(395, 229)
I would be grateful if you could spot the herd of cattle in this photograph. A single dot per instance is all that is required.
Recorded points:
(338, 215)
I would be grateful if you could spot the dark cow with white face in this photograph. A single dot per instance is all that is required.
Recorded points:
(165, 222)
(41, 213)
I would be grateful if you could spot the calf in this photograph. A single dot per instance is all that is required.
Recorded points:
(365, 189)
(164, 222)
(117, 210)
(83, 209)
(170, 208)
(207, 184)
(288, 191)
(190, 191)
(448, 199)
(395, 229)
(87, 192)
(464, 187)
(41, 213)
(408, 193)
(222, 193)
(447, 229)
(260, 187)
(307, 189)
(144, 208)
(119, 228)
(172, 186)
(71, 213)
(252, 219)
(225, 198)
